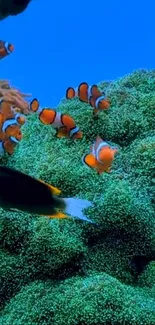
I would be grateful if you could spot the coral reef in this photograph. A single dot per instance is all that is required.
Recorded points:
(71, 272)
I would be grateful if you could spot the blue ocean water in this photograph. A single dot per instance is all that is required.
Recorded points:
(61, 44)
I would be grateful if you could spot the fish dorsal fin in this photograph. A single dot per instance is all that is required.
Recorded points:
(54, 190)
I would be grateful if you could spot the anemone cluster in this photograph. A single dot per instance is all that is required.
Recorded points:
(68, 272)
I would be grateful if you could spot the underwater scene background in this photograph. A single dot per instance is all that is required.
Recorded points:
(65, 271)
(69, 271)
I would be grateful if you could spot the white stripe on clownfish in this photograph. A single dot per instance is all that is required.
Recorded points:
(89, 92)
(12, 121)
(100, 147)
(96, 151)
(74, 131)
(14, 140)
(9, 122)
(6, 45)
(57, 123)
(98, 100)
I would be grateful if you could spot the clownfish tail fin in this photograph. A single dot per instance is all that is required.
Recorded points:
(34, 105)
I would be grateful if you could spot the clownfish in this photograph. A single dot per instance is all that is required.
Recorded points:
(99, 102)
(18, 119)
(5, 49)
(84, 92)
(25, 193)
(91, 95)
(7, 112)
(100, 157)
(63, 123)
(11, 127)
(8, 146)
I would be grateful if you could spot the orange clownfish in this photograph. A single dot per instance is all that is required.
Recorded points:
(91, 95)
(98, 101)
(11, 128)
(5, 49)
(8, 146)
(84, 92)
(64, 124)
(101, 156)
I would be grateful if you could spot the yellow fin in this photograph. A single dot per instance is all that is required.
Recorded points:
(58, 215)
(54, 190)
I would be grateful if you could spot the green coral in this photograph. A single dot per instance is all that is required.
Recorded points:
(13, 275)
(15, 230)
(147, 278)
(96, 299)
(52, 252)
(72, 272)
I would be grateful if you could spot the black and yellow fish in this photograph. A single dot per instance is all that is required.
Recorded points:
(25, 193)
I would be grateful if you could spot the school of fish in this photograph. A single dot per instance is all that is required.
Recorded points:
(13, 108)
